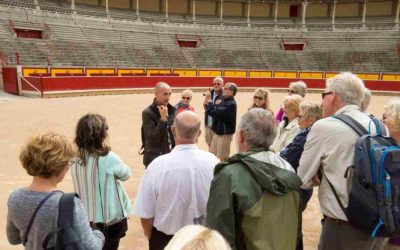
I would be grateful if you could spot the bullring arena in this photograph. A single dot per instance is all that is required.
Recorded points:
(105, 56)
(25, 117)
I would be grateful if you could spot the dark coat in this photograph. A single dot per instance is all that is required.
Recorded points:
(206, 105)
(292, 152)
(224, 116)
(155, 133)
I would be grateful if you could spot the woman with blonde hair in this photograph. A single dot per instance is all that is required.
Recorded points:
(184, 104)
(288, 128)
(97, 175)
(261, 100)
(33, 211)
(196, 237)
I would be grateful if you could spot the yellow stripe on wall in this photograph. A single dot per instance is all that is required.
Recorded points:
(212, 73)
(28, 71)
(390, 77)
(66, 71)
(284, 74)
(89, 72)
(158, 71)
(368, 76)
(311, 75)
(185, 72)
(130, 71)
(260, 74)
(235, 73)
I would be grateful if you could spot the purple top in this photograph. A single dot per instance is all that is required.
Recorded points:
(279, 115)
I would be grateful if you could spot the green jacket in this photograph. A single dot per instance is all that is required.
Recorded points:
(254, 202)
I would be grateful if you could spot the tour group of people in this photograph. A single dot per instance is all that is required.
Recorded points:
(193, 198)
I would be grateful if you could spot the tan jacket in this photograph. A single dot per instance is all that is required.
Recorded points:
(330, 149)
(285, 136)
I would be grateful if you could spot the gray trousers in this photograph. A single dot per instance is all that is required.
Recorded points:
(342, 236)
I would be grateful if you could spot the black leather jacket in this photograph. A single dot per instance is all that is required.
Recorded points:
(155, 133)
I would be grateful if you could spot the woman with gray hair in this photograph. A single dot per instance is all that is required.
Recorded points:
(309, 114)
(295, 88)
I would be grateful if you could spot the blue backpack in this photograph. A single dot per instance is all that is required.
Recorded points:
(374, 198)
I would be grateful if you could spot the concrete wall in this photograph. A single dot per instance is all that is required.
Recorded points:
(259, 10)
(379, 9)
(91, 2)
(120, 4)
(178, 6)
(317, 10)
(149, 5)
(232, 9)
(347, 9)
(205, 8)
(284, 10)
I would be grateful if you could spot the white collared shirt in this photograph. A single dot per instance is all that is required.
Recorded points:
(175, 188)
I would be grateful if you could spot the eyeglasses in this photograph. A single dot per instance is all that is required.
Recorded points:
(186, 98)
(258, 98)
(292, 91)
(326, 93)
(217, 83)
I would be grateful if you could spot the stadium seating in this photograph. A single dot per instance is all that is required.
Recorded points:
(90, 38)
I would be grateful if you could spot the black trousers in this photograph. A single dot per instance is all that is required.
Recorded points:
(158, 240)
(112, 233)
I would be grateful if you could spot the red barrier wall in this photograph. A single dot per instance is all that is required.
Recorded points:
(10, 80)
(101, 82)
(35, 81)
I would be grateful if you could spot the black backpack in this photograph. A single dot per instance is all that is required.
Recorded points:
(374, 198)
(66, 236)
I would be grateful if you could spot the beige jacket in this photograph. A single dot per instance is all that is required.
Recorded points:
(285, 136)
(330, 149)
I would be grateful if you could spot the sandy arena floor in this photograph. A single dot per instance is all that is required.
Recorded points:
(23, 117)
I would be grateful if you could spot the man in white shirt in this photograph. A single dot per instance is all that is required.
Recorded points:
(328, 152)
(174, 190)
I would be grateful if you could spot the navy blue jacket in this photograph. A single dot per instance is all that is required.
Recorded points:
(206, 105)
(292, 152)
(224, 116)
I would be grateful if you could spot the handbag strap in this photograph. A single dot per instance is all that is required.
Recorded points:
(336, 195)
(98, 180)
(101, 199)
(25, 240)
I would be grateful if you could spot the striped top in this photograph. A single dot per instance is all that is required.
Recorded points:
(99, 187)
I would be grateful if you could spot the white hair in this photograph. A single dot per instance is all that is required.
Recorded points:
(366, 100)
(258, 128)
(300, 87)
(219, 79)
(197, 237)
(311, 110)
(393, 109)
(348, 87)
